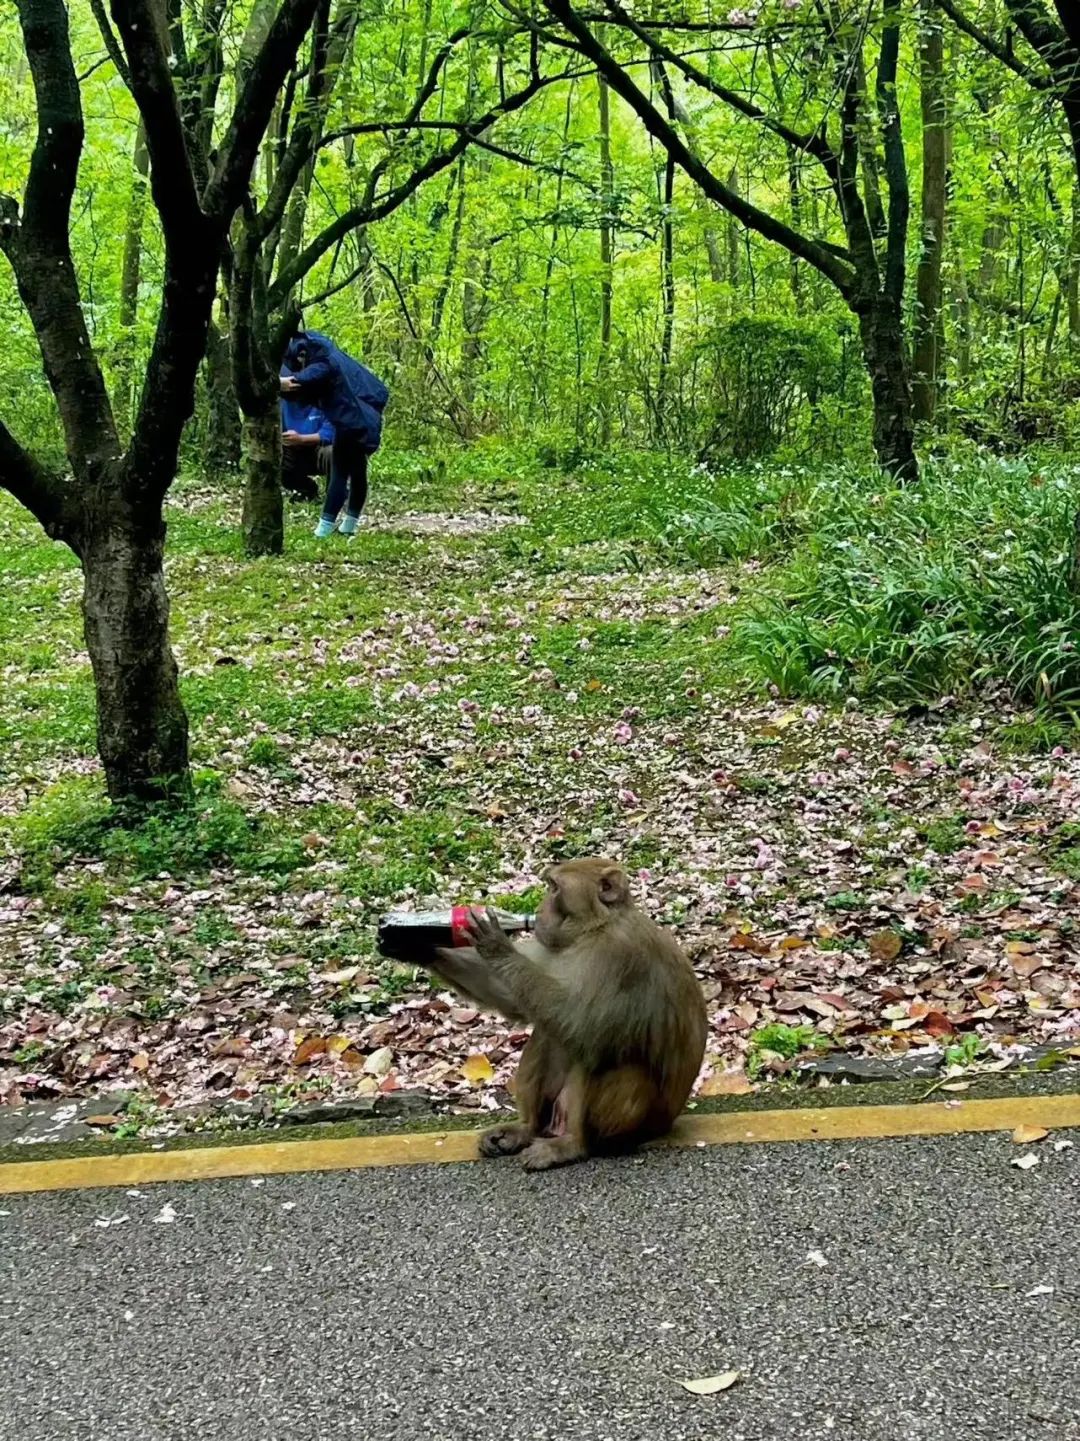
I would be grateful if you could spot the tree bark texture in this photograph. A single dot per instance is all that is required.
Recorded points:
(882, 335)
(223, 434)
(263, 516)
(142, 729)
(928, 331)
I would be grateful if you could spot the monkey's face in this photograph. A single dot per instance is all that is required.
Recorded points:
(580, 897)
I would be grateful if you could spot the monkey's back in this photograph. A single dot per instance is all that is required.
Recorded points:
(642, 1005)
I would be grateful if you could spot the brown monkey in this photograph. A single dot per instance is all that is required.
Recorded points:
(618, 1018)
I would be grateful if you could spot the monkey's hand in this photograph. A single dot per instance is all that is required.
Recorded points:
(489, 938)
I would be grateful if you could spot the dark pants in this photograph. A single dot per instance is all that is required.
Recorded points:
(348, 476)
(300, 467)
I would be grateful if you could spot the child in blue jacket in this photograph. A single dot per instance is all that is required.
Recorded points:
(306, 439)
(353, 400)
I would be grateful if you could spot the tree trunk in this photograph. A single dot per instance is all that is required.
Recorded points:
(223, 438)
(886, 361)
(667, 274)
(263, 520)
(607, 206)
(129, 281)
(142, 729)
(928, 328)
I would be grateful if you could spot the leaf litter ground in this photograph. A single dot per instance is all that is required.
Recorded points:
(434, 713)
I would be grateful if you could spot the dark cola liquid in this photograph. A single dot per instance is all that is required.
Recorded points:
(415, 935)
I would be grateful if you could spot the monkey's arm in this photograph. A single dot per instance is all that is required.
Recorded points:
(520, 974)
(465, 970)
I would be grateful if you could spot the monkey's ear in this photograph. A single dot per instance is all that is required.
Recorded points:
(613, 887)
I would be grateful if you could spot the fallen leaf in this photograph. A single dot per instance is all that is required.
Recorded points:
(103, 1122)
(338, 978)
(1025, 1163)
(710, 1385)
(337, 1044)
(956, 1086)
(233, 1046)
(477, 1068)
(308, 1050)
(140, 1062)
(885, 945)
(379, 1062)
(937, 1024)
(726, 1083)
(1027, 1135)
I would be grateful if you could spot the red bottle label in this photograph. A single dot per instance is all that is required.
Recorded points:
(459, 919)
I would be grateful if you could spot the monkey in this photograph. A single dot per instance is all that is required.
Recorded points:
(618, 1018)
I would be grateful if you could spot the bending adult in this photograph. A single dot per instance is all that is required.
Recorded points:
(352, 400)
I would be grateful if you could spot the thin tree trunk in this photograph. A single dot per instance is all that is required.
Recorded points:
(732, 229)
(142, 730)
(549, 268)
(927, 340)
(439, 304)
(667, 266)
(607, 206)
(223, 438)
(881, 331)
(1073, 282)
(263, 521)
(129, 281)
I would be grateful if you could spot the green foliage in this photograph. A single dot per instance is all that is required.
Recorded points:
(966, 1051)
(912, 592)
(73, 818)
(783, 1041)
(766, 379)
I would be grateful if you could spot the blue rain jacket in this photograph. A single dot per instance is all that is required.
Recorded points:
(348, 394)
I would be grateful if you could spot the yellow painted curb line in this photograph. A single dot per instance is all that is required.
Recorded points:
(837, 1123)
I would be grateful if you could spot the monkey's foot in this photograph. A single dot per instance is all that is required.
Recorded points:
(505, 1140)
(545, 1154)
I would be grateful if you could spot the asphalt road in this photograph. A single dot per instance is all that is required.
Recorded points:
(475, 1303)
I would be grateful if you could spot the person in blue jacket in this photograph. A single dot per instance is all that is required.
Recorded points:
(306, 439)
(352, 400)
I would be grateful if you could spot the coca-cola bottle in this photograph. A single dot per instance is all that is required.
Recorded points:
(415, 935)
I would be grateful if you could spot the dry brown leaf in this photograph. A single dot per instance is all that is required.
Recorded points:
(477, 1069)
(726, 1083)
(338, 1044)
(1027, 1135)
(140, 1062)
(710, 1385)
(885, 945)
(1025, 965)
(232, 1046)
(104, 1122)
(307, 1050)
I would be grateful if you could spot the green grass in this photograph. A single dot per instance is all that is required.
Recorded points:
(913, 592)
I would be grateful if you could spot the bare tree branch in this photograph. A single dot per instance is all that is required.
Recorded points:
(254, 107)
(39, 490)
(371, 209)
(993, 46)
(840, 273)
(37, 243)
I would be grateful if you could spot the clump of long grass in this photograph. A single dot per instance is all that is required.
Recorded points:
(961, 581)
